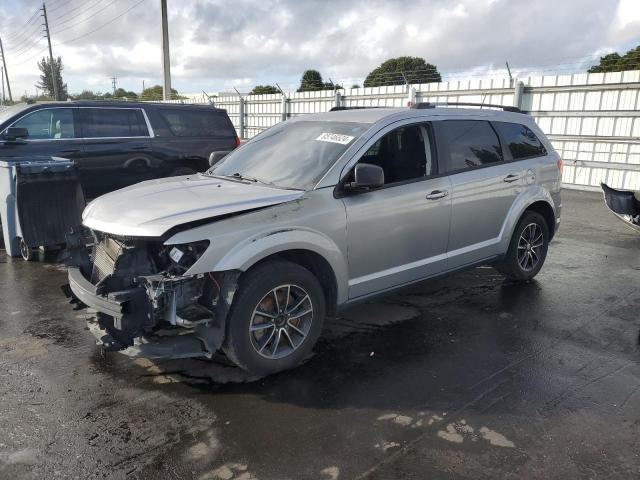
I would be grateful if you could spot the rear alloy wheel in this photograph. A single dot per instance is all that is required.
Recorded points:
(528, 248)
(276, 318)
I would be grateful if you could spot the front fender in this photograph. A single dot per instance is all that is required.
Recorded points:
(250, 251)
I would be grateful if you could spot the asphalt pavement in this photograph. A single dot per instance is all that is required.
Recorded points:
(466, 376)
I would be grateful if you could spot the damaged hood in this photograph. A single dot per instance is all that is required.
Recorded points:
(150, 208)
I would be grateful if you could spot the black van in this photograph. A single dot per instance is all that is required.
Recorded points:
(116, 144)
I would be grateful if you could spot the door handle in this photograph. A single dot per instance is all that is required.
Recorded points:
(71, 150)
(140, 147)
(437, 194)
(511, 178)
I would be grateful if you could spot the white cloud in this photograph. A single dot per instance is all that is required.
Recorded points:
(215, 46)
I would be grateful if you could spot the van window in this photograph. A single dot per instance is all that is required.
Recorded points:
(196, 123)
(522, 142)
(404, 154)
(471, 144)
(48, 124)
(113, 123)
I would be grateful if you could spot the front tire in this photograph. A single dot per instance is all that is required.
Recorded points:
(275, 319)
(527, 249)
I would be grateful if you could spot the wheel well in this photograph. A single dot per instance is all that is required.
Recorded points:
(317, 265)
(544, 209)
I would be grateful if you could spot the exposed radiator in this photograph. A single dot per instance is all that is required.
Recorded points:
(105, 255)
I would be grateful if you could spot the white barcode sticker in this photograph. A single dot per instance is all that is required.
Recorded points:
(334, 138)
(176, 254)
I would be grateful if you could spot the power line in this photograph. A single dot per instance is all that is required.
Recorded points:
(20, 29)
(81, 12)
(101, 26)
(69, 27)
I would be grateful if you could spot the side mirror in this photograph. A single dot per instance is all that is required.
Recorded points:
(215, 157)
(12, 134)
(367, 177)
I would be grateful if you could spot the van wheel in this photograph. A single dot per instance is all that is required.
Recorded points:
(275, 319)
(26, 251)
(528, 248)
(181, 171)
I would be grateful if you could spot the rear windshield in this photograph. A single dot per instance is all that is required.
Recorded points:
(292, 154)
(197, 122)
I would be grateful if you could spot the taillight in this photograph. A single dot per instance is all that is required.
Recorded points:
(560, 166)
(237, 142)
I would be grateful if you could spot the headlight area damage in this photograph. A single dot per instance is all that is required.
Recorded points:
(145, 304)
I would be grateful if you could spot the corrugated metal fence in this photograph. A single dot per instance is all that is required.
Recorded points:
(592, 119)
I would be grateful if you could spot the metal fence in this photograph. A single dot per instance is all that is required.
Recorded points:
(592, 119)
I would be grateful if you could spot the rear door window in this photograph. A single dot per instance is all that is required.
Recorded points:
(48, 124)
(521, 140)
(470, 144)
(113, 123)
(196, 123)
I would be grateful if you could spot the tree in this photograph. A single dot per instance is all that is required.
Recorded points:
(86, 95)
(46, 78)
(401, 70)
(263, 90)
(355, 85)
(311, 80)
(121, 92)
(614, 62)
(155, 93)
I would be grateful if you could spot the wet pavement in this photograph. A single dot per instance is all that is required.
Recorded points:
(463, 377)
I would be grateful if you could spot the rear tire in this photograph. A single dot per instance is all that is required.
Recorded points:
(268, 330)
(26, 252)
(527, 249)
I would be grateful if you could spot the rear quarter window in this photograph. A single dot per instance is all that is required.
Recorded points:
(520, 140)
(197, 123)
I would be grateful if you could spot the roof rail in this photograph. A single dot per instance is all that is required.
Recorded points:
(339, 109)
(423, 105)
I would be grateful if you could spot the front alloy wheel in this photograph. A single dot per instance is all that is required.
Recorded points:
(281, 321)
(275, 319)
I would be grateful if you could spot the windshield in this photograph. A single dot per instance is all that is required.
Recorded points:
(7, 113)
(291, 154)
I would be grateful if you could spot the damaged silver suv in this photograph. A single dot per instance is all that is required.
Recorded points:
(310, 216)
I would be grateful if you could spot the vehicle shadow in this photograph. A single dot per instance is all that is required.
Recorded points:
(415, 348)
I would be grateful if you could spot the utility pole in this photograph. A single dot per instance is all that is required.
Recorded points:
(114, 82)
(166, 65)
(2, 76)
(6, 74)
(54, 78)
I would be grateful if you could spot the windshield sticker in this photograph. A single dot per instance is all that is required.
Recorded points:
(335, 138)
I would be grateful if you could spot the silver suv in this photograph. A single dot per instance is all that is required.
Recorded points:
(312, 215)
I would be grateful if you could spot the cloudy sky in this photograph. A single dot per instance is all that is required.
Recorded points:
(217, 45)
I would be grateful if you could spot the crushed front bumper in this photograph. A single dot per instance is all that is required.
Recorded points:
(117, 311)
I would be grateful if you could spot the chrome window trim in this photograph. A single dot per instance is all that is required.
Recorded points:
(150, 131)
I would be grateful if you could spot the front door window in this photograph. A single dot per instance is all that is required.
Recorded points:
(48, 124)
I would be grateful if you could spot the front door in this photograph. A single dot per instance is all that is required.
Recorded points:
(398, 233)
(53, 131)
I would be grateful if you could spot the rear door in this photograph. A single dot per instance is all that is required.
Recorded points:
(483, 188)
(115, 150)
(193, 133)
(53, 131)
